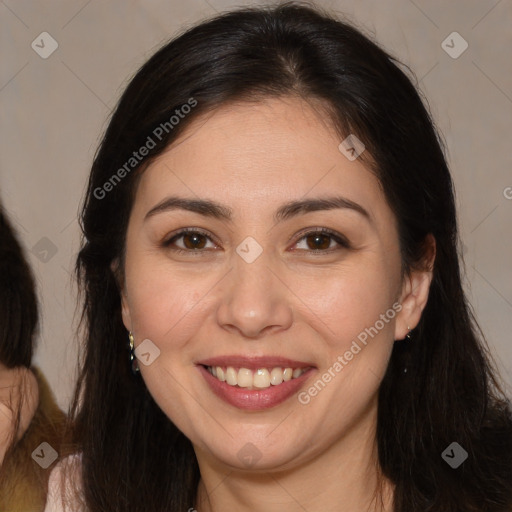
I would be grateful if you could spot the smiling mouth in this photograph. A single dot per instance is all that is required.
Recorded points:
(262, 378)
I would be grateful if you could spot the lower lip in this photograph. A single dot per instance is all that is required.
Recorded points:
(254, 399)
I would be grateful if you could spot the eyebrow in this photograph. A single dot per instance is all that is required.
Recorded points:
(209, 208)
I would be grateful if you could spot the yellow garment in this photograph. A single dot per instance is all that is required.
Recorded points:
(23, 482)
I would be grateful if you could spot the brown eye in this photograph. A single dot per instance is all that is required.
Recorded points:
(320, 240)
(192, 240)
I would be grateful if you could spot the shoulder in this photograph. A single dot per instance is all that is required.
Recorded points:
(64, 486)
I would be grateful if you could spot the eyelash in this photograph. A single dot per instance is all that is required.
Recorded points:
(342, 241)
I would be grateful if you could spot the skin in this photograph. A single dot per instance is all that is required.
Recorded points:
(18, 389)
(288, 302)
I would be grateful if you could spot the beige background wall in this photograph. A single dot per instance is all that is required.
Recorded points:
(54, 110)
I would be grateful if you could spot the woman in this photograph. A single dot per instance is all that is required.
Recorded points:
(273, 303)
(29, 414)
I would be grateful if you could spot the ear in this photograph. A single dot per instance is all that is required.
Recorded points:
(415, 291)
(125, 308)
(125, 312)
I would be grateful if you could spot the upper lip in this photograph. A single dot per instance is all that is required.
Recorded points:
(253, 363)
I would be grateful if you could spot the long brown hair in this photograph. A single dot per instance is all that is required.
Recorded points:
(449, 392)
(18, 314)
(23, 482)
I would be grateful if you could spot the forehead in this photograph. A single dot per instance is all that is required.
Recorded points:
(259, 155)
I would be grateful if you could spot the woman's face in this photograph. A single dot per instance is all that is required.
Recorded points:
(255, 292)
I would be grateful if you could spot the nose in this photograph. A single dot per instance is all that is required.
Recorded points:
(254, 299)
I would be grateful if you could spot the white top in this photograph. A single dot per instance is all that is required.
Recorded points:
(60, 492)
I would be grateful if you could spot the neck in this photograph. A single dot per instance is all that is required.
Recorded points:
(345, 477)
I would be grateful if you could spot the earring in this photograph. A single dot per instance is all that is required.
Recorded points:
(134, 363)
(408, 335)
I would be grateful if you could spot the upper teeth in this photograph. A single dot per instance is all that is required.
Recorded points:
(261, 378)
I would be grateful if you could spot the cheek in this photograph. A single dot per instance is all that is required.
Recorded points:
(357, 310)
(164, 304)
(344, 302)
